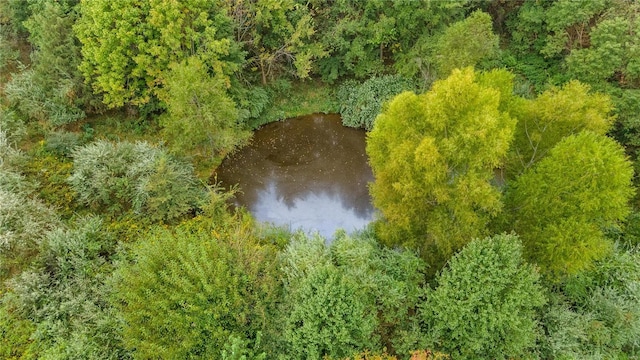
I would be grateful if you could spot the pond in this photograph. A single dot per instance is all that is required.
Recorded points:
(308, 173)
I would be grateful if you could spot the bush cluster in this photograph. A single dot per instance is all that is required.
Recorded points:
(117, 177)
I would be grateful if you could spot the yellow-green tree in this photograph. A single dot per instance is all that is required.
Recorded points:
(555, 114)
(433, 157)
(560, 206)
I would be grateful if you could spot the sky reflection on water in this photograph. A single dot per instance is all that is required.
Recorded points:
(307, 173)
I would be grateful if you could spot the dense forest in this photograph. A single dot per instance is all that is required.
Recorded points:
(503, 136)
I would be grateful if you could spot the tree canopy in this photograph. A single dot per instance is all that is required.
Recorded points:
(560, 206)
(433, 156)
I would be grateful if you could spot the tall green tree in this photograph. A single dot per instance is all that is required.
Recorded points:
(433, 158)
(52, 88)
(65, 297)
(484, 305)
(435, 56)
(277, 36)
(348, 297)
(363, 37)
(127, 46)
(596, 314)
(560, 206)
(201, 118)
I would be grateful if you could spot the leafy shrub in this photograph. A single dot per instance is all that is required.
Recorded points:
(34, 100)
(65, 296)
(252, 102)
(361, 103)
(484, 304)
(14, 334)
(49, 174)
(631, 234)
(62, 143)
(12, 127)
(24, 222)
(347, 298)
(7, 53)
(597, 314)
(140, 177)
(197, 291)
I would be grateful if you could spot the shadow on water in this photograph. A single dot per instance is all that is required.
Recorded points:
(308, 172)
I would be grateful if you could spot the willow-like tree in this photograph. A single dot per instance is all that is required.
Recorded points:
(433, 157)
(560, 206)
(552, 116)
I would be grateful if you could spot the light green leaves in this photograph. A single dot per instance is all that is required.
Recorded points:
(560, 206)
(433, 157)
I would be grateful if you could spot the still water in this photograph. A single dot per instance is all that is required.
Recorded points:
(308, 173)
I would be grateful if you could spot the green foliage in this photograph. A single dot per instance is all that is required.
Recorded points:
(560, 205)
(435, 56)
(597, 315)
(276, 35)
(140, 177)
(237, 348)
(361, 103)
(552, 116)
(566, 20)
(13, 13)
(433, 157)
(52, 89)
(62, 143)
(49, 172)
(12, 128)
(127, 46)
(606, 54)
(14, 334)
(192, 290)
(297, 99)
(631, 231)
(24, 223)
(201, 117)
(363, 37)
(484, 304)
(24, 219)
(346, 298)
(456, 49)
(65, 298)
(32, 99)
(7, 53)
(252, 102)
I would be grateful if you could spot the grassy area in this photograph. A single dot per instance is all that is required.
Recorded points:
(297, 99)
(118, 126)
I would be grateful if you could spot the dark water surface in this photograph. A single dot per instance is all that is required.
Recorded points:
(308, 172)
